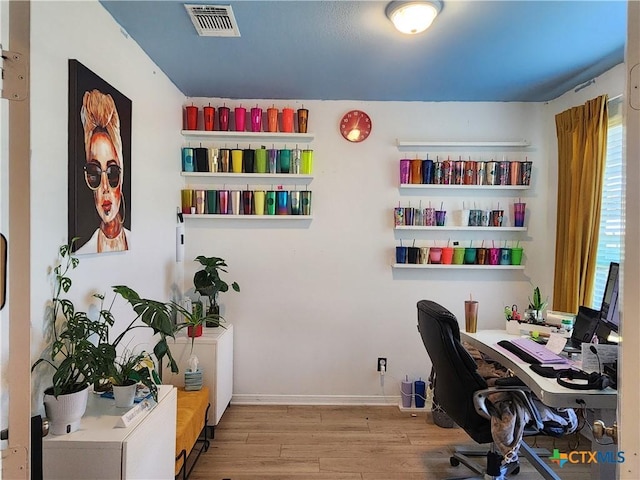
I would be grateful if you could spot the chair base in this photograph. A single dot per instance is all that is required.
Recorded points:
(462, 455)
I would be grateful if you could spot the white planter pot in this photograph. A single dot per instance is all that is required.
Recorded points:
(124, 395)
(65, 412)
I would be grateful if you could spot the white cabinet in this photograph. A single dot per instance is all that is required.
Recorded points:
(214, 350)
(102, 450)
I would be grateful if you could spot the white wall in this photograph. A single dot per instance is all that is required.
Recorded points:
(319, 301)
(86, 32)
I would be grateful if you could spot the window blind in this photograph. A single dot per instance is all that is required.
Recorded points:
(611, 231)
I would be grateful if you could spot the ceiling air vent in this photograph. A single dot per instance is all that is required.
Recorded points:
(213, 20)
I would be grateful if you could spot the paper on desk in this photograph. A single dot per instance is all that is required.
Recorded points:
(607, 354)
(556, 342)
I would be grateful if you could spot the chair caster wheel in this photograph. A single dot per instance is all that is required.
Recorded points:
(454, 461)
(516, 471)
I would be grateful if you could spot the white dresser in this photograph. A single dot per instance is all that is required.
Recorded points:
(101, 450)
(214, 350)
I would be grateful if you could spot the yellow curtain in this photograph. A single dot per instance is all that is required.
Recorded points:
(582, 148)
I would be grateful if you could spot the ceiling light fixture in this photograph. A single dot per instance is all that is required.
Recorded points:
(413, 17)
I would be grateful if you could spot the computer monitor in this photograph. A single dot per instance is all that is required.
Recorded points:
(609, 310)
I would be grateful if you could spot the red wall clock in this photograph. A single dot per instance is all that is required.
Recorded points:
(355, 126)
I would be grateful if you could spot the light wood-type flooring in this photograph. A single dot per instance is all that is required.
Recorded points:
(346, 443)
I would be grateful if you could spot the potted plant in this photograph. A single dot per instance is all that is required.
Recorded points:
(74, 357)
(194, 319)
(536, 306)
(159, 316)
(81, 352)
(207, 282)
(127, 371)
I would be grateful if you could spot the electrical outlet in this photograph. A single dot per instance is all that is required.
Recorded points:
(382, 362)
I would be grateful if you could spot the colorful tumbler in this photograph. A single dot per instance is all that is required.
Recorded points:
(240, 116)
(209, 115)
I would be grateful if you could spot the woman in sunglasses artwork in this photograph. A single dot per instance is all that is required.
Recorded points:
(103, 172)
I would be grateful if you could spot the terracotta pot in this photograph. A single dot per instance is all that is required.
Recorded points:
(194, 331)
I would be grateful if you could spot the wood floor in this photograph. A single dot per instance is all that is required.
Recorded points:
(345, 443)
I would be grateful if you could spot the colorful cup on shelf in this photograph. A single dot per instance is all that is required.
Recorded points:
(405, 170)
(505, 256)
(192, 117)
(496, 218)
(413, 255)
(518, 214)
(401, 254)
(429, 217)
(424, 255)
(435, 255)
(470, 255)
(494, 256)
(482, 256)
(398, 216)
(458, 255)
(448, 254)
(516, 255)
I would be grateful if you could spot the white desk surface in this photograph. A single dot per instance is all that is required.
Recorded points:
(546, 389)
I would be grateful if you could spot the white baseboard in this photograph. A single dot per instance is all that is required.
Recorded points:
(260, 399)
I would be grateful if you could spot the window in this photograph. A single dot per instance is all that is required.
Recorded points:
(611, 232)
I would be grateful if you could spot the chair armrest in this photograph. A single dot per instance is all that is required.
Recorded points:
(523, 394)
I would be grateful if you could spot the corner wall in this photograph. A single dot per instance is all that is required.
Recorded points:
(86, 32)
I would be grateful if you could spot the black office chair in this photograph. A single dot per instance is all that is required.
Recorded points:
(462, 394)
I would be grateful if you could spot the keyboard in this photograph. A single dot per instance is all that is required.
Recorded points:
(531, 352)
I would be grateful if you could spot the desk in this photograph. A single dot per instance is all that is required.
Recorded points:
(602, 402)
(546, 389)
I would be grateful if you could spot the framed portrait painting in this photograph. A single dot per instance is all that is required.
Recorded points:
(99, 164)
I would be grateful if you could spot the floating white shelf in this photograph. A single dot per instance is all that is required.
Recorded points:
(420, 145)
(430, 186)
(221, 136)
(421, 266)
(250, 176)
(454, 227)
(218, 216)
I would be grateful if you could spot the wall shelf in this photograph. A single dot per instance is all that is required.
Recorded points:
(461, 228)
(433, 186)
(218, 216)
(231, 136)
(422, 145)
(250, 177)
(421, 266)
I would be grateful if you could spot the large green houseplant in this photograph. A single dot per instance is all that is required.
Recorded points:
(73, 355)
(81, 351)
(207, 282)
(76, 350)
